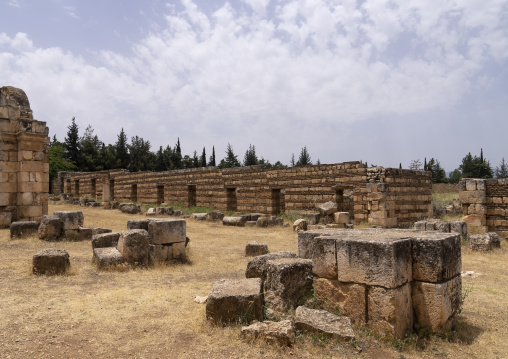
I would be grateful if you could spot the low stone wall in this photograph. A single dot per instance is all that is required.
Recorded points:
(390, 280)
(381, 196)
(485, 204)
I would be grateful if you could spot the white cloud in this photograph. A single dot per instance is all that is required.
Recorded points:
(228, 76)
(71, 11)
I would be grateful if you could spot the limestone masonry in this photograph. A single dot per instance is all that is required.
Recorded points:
(24, 166)
(380, 196)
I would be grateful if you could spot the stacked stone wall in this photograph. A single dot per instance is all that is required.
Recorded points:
(445, 187)
(377, 195)
(24, 168)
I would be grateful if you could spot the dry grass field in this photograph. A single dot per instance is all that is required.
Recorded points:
(150, 313)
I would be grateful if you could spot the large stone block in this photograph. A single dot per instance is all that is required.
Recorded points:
(483, 242)
(383, 261)
(476, 197)
(160, 253)
(323, 323)
(390, 311)
(300, 225)
(51, 261)
(341, 217)
(133, 244)
(234, 221)
(322, 252)
(105, 240)
(327, 208)
(256, 268)
(349, 298)
(167, 231)
(435, 304)
(106, 257)
(288, 282)
(51, 228)
(80, 234)
(71, 219)
(179, 251)
(5, 219)
(255, 248)
(313, 218)
(235, 301)
(459, 227)
(436, 258)
(23, 229)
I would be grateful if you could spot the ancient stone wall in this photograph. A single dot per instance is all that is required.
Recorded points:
(445, 187)
(485, 204)
(24, 166)
(385, 197)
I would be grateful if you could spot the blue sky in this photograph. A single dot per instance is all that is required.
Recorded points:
(385, 82)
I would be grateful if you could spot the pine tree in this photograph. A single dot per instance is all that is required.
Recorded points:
(502, 170)
(141, 157)
(90, 148)
(230, 160)
(71, 143)
(416, 165)
(202, 159)
(122, 152)
(195, 160)
(250, 158)
(292, 163)
(304, 159)
(476, 167)
(177, 156)
(160, 163)
(212, 158)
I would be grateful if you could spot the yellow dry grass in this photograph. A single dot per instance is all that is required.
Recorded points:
(150, 313)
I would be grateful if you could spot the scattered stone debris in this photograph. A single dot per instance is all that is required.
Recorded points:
(256, 268)
(22, 229)
(300, 225)
(200, 300)
(484, 242)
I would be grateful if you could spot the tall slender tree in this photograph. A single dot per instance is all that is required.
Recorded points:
(122, 151)
(71, 143)
(250, 158)
(202, 159)
(212, 162)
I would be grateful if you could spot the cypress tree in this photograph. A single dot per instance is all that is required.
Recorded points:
(71, 143)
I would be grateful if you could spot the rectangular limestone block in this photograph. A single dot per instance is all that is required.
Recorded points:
(341, 217)
(160, 253)
(384, 261)
(435, 304)
(322, 252)
(349, 297)
(436, 258)
(29, 212)
(178, 251)
(5, 219)
(71, 219)
(390, 311)
(166, 231)
(468, 197)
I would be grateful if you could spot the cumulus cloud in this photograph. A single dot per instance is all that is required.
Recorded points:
(283, 68)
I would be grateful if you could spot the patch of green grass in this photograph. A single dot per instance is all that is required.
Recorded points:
(444, 199)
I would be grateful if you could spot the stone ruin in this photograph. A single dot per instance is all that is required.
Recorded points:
(391, 280)
(24, 160)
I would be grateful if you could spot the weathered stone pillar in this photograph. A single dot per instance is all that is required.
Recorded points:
(24, 161)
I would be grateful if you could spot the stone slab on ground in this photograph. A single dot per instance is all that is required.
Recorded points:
(105, 240)
(80, 234)
(51, 228)
(199, 216)
(23, 229)
(234, 221)
(483, 242)
(235, 301)
(280, 333)
(436, 304)
(256, 268)
(106, 257)
(160, 253)
(71, 219)
(255, 248)
(51, 261)
(167, 231)
(288, 282)
(323, 322)
(133, 244)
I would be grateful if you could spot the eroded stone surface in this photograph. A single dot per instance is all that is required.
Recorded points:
(105, 240)
(234, 221)
(51, 228)
(281, 333)
(300, 225)
(323, 322)
(256, 268)
(235, 301)
(106, 257)
(133, 244)
(138, 224)
(255, 248)
(71, 219)
(51, 261)
(23, 229)
(322, 252)
(327, 208)
(167, 231)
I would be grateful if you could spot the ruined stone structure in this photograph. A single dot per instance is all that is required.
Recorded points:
(381, 196)
(485, 204)
(24, 166)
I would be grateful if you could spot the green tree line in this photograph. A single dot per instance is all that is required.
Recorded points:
(88, 153)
